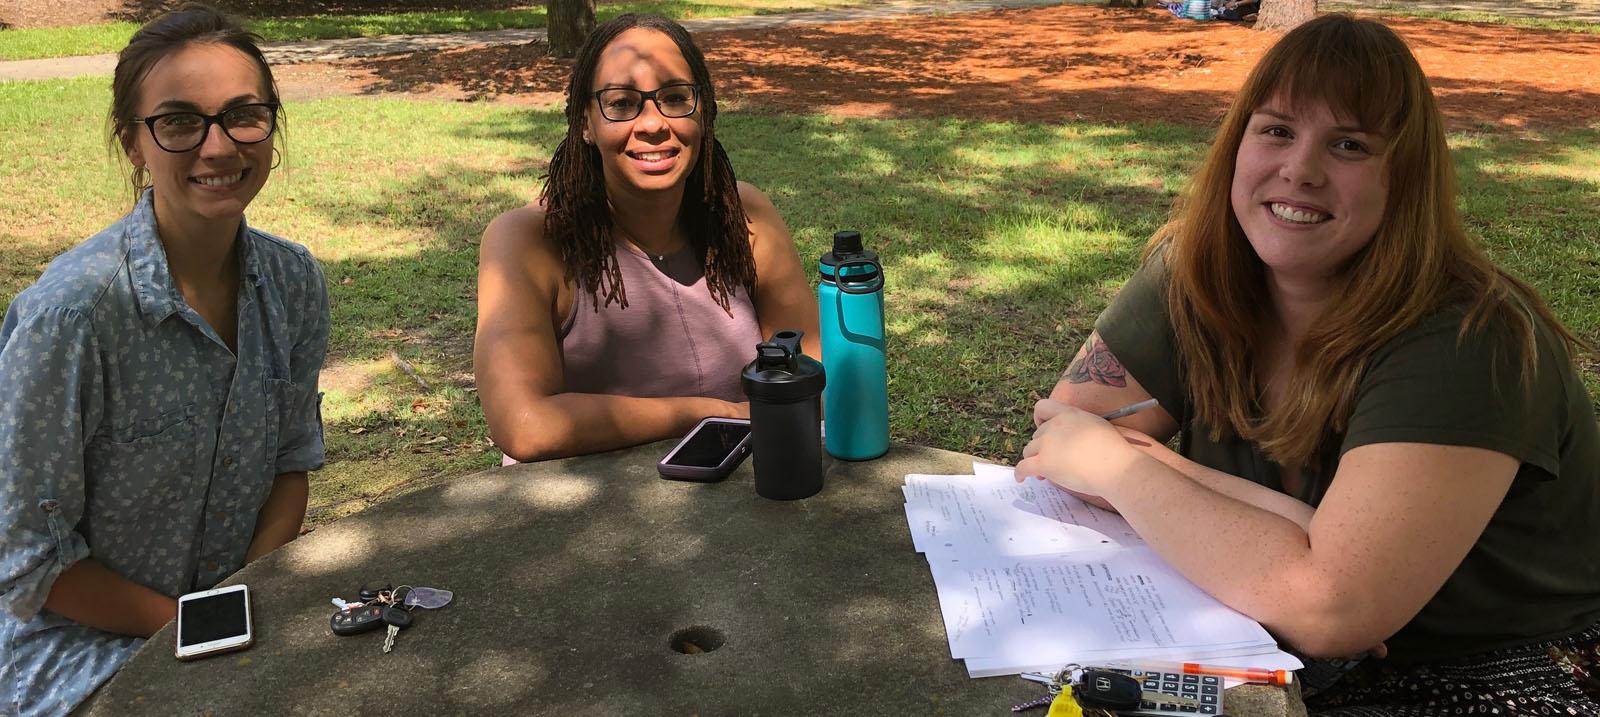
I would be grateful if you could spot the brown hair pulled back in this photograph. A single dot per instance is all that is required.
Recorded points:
(163, 36)
(578, 214)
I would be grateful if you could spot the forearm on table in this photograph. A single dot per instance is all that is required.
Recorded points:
(90, 594)
(569, 424)
(281, 515)
(1245, 491)
(1252, 559)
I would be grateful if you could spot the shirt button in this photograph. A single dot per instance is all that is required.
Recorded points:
(220, 516)
(227, 462)
(211, 567)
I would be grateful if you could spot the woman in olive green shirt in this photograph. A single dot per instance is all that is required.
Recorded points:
(1385, 446)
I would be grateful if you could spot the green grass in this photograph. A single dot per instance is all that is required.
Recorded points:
(1000, 240)
(34, 43)
(1532, 23)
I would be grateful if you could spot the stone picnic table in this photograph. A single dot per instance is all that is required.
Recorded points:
(590, 586)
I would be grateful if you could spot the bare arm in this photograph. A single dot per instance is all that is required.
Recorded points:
(1396, 521)
(1096, 382)
(783, 299)
(517, 359)
(1377, 549)
(281, 515)
(89, 594)
(1240, 489)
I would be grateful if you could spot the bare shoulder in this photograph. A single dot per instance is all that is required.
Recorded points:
(516, 240)
(751, 194)
(516, 232)
(766, 224)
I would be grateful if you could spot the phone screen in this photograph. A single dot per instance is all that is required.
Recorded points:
(211, 618)
(710, 444)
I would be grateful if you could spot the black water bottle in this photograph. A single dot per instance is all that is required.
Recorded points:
(785, 391)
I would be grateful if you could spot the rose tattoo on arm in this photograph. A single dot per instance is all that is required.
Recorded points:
(1095, 363)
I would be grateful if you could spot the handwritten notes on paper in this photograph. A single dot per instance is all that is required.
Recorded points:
(1030, 577)
(998, 515)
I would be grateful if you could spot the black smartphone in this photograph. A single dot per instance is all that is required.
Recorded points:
(709, 453)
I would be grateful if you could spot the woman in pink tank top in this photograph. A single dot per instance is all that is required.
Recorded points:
(619, 308)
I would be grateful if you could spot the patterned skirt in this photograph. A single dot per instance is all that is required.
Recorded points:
(1561, 677)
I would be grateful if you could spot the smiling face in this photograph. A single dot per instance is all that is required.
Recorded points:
(1309, 189)
(217, 180)
(649, 153)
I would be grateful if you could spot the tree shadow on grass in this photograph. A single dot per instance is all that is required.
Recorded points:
(1005, 237)
(1542, 226)
(1470, 104)
(1002, 241)
(1047, 65)
(1428, 34)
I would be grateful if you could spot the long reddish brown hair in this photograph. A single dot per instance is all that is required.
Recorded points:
(1419, 260)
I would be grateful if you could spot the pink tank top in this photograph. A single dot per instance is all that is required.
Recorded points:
(672, 340)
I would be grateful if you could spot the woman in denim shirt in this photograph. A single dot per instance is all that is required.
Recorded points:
(158, 384)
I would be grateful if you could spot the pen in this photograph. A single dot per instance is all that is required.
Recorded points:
(1130, 410)
(1246, 674)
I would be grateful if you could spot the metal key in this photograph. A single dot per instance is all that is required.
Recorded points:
(396, 618)
(1052, 683)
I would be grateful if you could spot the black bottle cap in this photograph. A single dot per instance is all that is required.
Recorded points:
(781, 373)
(846, 242)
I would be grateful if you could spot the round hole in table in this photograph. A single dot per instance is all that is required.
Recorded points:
(696, 639)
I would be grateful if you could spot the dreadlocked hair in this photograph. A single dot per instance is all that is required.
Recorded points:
(577, 212)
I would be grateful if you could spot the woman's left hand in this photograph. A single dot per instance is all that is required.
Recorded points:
(1075, 449)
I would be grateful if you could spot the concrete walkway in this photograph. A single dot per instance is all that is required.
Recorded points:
(325, 50)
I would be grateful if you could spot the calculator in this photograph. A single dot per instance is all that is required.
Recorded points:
(1206, 690)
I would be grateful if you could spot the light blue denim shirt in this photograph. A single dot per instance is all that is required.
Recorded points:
(129, 433)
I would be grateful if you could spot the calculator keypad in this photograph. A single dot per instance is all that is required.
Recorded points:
(1205, 689)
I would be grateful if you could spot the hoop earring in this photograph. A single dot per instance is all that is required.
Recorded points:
(140, 178)
(277, 159)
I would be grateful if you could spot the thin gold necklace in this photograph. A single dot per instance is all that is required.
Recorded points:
(627, 235)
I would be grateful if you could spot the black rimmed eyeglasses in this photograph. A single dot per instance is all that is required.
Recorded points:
(183, 131)
(620, 104)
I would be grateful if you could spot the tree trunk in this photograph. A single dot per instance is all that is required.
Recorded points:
(1282, 15)
(568, 22)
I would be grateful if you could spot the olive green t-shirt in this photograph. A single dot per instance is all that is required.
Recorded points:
(1534, 574)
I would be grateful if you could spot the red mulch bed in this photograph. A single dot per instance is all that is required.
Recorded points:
(1049, 64)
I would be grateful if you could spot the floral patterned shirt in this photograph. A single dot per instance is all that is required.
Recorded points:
(131, 434)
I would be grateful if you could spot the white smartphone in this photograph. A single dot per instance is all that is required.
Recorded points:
(212, 622)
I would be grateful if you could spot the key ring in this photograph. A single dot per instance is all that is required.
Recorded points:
(397, 598)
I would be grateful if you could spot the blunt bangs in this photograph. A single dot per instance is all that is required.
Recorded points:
(1360, 69)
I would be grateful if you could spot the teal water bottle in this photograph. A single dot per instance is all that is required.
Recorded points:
(855, 402)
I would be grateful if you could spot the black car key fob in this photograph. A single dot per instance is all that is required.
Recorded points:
(1100, 689)
(396, 616)
(356, 620)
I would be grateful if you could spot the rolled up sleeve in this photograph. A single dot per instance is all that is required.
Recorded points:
(300, 446)
(50, 402)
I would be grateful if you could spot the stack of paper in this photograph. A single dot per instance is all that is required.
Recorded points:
(1031, 578)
